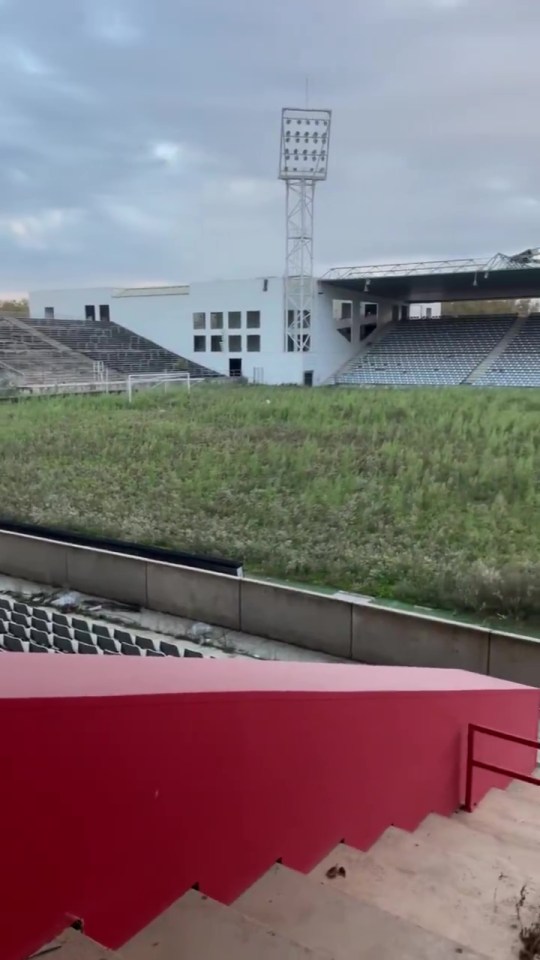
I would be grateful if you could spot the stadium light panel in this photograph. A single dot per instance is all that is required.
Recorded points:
(304, 144)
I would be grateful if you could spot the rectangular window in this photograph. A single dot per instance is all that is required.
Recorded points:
(216, 321)
(254, 343)
(235, 344)
(90, 312)
(49, 313)
(199, 344)
(253, 319)
(216, 344)
(199, 321)
(104, 313)
(235, 320)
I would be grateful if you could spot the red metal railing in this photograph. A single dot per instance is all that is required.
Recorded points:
(493, 768)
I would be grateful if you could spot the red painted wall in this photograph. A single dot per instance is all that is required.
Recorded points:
(207, 772)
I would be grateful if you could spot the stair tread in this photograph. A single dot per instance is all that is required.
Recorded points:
(453, 835)
(197, 928)
(474, 871)
(72, 945)
(484, 925)
(321, 916)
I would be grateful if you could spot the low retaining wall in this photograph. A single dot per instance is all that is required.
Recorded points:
(343, 628)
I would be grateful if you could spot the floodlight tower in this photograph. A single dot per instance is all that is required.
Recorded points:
(305, 140)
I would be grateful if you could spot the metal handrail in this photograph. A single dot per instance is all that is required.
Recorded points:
(475, 728)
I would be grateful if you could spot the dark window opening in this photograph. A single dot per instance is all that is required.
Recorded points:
(235, 343)
(254, 343)
(199, 344)
(235, 367)
(216, 321)
(104, 313)
(371, 310)
(216, 344)
(308, 378)
(345, 332)
(90, 312)
(199, 321)
(366, 329)
(49, 313)
(235, 320)
(265, 285)
(253, 319)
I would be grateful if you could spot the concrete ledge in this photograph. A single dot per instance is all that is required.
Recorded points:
(397, 638)
(513, 657)
(104, 574)
(196, 594)
(296, 616)
(32, 558)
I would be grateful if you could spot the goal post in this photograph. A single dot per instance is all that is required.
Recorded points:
(135, 381)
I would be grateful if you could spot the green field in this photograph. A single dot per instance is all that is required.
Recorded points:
(426, 496)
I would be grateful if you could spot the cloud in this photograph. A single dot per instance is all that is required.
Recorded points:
(113, 24)
(142, 140)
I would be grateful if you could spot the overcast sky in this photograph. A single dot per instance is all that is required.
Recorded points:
(139, 138)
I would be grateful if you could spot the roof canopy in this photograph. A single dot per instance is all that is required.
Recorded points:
(501, 277)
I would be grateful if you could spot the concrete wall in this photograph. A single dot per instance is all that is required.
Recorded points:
(346, 629)
(168, 320)
(166, 317)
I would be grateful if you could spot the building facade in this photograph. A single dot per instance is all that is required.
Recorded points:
(235, 327)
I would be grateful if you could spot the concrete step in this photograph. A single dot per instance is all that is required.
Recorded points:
(72, 945)
(525, 791)
(322, 917)
(452, 836)
(197, 928)
(506, 817)
(427, 898)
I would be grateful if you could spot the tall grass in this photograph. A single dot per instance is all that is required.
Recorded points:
(427, 496)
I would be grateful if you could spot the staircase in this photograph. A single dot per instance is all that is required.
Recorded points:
(462, 887)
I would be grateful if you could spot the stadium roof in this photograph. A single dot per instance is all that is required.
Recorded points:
(500, 277)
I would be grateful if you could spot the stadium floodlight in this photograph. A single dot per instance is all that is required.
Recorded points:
(305, 142)
(305, 139)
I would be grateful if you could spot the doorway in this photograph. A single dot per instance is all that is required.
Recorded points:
(235, 367)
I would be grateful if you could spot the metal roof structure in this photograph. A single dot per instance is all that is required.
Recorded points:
(499, 277)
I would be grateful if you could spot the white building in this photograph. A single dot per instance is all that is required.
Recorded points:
(235, 327)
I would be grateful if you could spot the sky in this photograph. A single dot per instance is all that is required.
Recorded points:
(139, 139)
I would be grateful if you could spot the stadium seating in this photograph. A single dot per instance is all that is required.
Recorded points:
(119, 349)
(427, 352)
(28, 357)
(28, 629)
(519, 365)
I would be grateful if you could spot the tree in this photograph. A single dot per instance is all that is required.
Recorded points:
(14, 308)
(463, 308)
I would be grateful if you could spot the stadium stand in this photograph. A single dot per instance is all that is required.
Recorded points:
(519, 365)
(426, 352)
(119, 349)
(26, 356)
(25, 628)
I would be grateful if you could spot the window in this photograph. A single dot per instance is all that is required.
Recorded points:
(199, 344)
(104, 313)
(253, 319)
(265, 285)
(308, 378)
(235, 320)
(199, 321)
(370, 310)
(90, 312)
(216, 321)
(216, 344)
(49, 313)
(342, 310)
(254, 343)
(235, 344)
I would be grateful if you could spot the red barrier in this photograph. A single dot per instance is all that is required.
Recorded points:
(125, 782)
